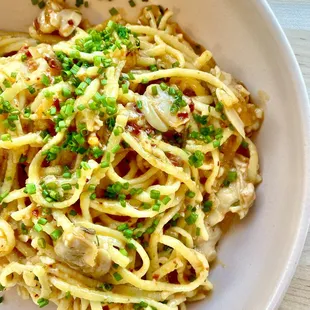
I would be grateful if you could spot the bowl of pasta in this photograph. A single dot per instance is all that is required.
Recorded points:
(153, 155)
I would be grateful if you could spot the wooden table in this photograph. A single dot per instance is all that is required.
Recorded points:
(294, 16)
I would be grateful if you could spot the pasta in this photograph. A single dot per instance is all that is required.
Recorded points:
(125, 149)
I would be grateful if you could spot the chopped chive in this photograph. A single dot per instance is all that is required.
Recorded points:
(117, 276)
(190, 194)
(6, 137)
(115, 149)
(163, 86)
(128, 233)
(105, 164)
(207, 205)
(154, 194)
(66, 186)
(216, 143)
(45, 80)
(139, 104)
(154, 90)
(113, 11)
(56, 234)
(42, 302)
(42, 221)
(124, 252)
(41, 5)
(125, 88)
(66, 92)
(42, 243)
(93, 196)
(153, 68)
(73, 213)
(37, 228)
(232, 176)
(192, 218)
(132, 3)
(122, 227)
(30, 189)
(166, 200)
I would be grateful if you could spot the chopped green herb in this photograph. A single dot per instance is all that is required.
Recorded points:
(192, 218)
(154, 194)
(56, 234)
(132, 3)
(42, 302)
(30, 189)
(42, 221)
(113, 11)
(42, 243)
(117, 276)
(207, 205)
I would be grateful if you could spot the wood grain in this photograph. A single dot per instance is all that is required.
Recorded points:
(294, 16)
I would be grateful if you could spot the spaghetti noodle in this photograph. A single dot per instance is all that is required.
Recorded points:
(123, 150)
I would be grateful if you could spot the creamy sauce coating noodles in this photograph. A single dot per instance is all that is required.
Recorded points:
(123, 149)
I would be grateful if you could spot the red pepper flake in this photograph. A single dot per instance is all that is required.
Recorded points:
(189, 92)
(182, 115)
(35, 213)
(56, 103)
(28, 54)
(133, 128)
(155, 276)
(105, 308)
(192, 107)
(71, 22)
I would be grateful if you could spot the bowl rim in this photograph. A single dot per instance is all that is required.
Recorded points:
(300, 87)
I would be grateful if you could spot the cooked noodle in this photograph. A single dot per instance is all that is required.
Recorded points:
(123, 150)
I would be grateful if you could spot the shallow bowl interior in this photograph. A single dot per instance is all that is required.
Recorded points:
(258, 256)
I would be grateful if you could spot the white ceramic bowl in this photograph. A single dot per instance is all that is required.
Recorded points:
(259, 254)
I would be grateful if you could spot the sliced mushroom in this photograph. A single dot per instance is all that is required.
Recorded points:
(156, 109)
(78, 249)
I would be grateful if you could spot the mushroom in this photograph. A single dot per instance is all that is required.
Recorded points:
(78, 249)
(156, 109)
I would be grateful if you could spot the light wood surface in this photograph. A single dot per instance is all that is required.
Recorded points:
(294, 16)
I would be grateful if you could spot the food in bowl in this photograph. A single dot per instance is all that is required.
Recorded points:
(125, 148)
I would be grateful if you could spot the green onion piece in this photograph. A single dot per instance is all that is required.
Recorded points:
(41, 5)
(73, 213)
(6, 137)
(190, 194)
(66, 186)
(122, 227)
(154, 194)
(42, 302)
(56, 234)
(42, 243)
(117, 276)
(113, 11)
(66, 92)
(131, 246)
(115, 149)
(128, 233)
(131, 76)
(132, 3)
(166, 200)
(37, 228)
(30, 189)
(176, 64)
(192, 218)
(153, 68)
(154, 90)
(207, 205)
(68, 295)
(124, 252)
(45, 80)
(2, 288)
(232, 176)
(42, 221)
(125, 88)
(216, 143)
(105, 164)
(219, 107)
(139, 104)
(93, 196)
(156, 207)
(163, 86)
